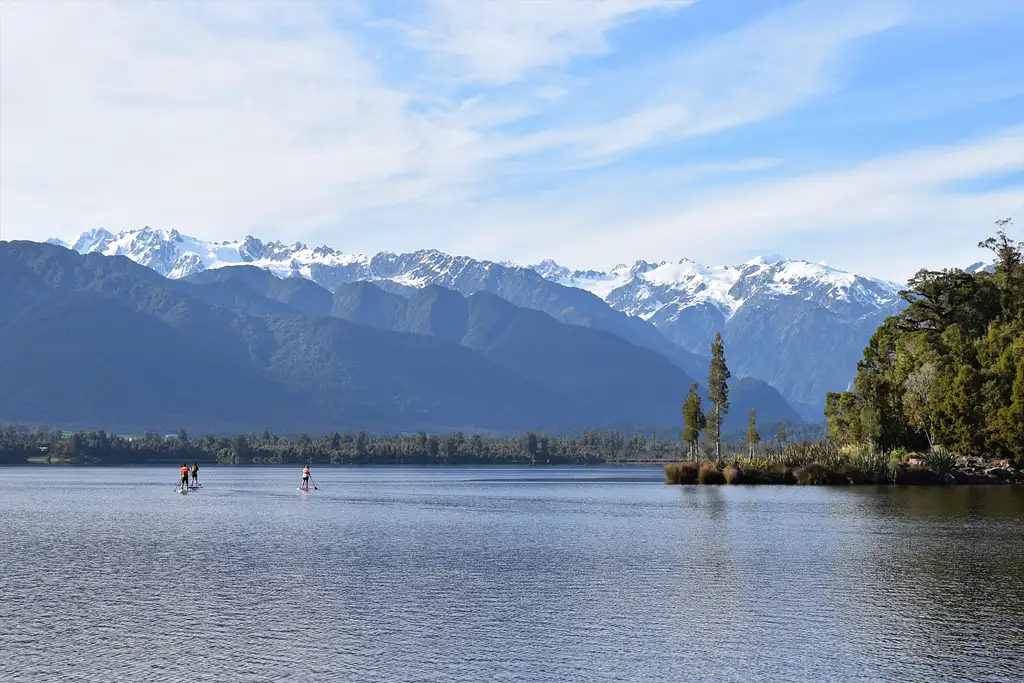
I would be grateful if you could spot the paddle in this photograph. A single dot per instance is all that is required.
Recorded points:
(311, 482)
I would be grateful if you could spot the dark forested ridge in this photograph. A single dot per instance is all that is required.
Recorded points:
(949, 369)
(95, 341)
(608, 377)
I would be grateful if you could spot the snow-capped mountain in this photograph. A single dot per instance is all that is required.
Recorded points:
(660, 291)
(175, 255)
(798, 325)
(981, 266)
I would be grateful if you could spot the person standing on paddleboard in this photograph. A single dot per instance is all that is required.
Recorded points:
(195, 474)
(305, 477)
(184, 476)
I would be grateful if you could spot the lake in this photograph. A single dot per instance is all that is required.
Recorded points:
(534, 575)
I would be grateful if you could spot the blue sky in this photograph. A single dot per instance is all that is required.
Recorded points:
(878, 136)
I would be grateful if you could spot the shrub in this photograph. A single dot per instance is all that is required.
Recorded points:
(732, 475)
(709, 474)
(681, 473)
(940, 460)
(817, 474)
(874, 465)
(915, 475)
(854, 475)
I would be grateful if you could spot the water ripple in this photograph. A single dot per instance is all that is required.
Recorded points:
(461, 575)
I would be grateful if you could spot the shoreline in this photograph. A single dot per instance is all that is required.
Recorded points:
(912, 473)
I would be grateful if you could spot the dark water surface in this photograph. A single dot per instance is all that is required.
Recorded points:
(531, 575)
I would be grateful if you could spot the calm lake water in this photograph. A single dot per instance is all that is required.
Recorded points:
(530, 575)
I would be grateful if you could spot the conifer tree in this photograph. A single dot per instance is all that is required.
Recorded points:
(718, 392)
(782, 435)
(753, 437)
(694, 419)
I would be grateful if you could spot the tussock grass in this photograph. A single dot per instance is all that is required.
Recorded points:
(710, 474)
(681, 473)
(817, 474)
(819, 464)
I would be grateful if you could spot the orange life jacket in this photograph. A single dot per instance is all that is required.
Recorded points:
(184, 470)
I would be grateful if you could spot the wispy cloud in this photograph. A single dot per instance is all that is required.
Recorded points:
(888, 216)
(497, 128)
(500, 41)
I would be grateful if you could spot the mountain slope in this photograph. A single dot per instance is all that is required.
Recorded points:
(600, 372)
(174, 255)
(799, 326)
(100, 342)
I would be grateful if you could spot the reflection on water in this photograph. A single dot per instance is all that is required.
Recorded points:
(476, 574)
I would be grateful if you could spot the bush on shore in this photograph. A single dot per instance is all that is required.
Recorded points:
(821, 464)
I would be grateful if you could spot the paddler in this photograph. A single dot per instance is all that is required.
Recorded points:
(184, 476)
(195, 474)
(305, 477)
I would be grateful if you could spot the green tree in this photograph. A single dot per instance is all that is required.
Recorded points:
(753, 438)
(782, 435)
(718, 392)
(694, 420)
(240, 449)
(530, 447)
(918, 403)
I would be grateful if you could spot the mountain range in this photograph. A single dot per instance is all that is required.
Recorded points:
(797, 325)
(97, 341)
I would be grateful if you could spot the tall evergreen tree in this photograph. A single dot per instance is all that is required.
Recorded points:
(694, 419)
(782, 435)
(753, 437)
(718, 392)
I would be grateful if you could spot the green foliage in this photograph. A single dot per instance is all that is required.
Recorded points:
(753, 438)
(694, 419)
(948, 370)
(817, 474)
(940, 461)
(873, 465)
(718, 392)
(19, 444)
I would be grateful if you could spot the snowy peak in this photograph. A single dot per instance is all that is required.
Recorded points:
(646, 288)
(175, 255)
(981, 266)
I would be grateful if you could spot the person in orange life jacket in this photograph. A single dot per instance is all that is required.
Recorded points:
(305, 476)
(184, 476)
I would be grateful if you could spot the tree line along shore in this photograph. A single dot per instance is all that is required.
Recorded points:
(22, 445)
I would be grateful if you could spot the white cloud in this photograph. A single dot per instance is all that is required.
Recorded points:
(276, 118)
(499, 41)
(887, 217)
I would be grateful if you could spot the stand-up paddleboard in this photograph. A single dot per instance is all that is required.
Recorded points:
(182, 491)
(305, 488)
